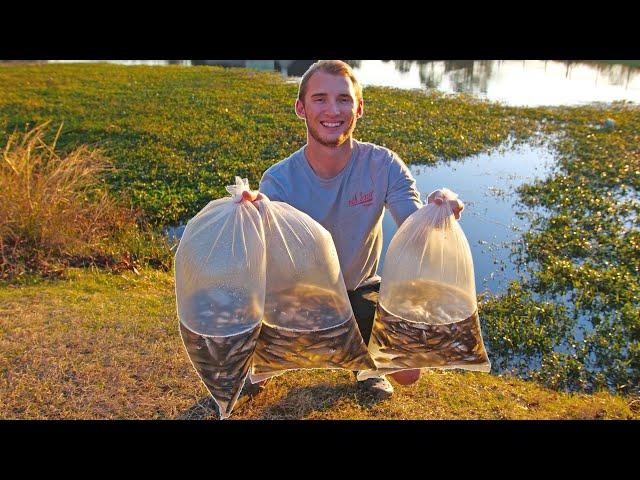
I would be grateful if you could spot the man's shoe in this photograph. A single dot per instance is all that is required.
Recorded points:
(379, 387)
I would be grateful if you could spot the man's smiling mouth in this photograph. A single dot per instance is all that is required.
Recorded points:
(331, 124)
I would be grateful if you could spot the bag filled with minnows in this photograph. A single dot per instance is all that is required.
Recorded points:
(220, 286)
(427, 314)
(308, 321)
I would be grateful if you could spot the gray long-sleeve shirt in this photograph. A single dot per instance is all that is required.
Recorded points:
(351, 204)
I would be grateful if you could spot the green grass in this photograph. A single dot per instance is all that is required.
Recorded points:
(178, 135)
(626, 63)
(106, 346)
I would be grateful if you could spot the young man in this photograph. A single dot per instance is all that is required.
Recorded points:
(345, 185)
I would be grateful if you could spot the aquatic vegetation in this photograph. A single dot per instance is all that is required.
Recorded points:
(178, 135)
(583, 258)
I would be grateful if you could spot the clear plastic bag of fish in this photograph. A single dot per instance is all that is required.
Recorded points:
(308, 321)
(220, 286)
(427, 314)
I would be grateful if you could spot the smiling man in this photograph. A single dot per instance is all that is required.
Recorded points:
(345, 185)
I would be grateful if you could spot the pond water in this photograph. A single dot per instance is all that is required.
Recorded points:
(492, 221)
(511, 82)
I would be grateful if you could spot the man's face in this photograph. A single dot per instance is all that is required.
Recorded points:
(330, 108)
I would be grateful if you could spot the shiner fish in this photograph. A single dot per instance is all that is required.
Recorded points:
(448, 337)
(295, 334)
(222, 362)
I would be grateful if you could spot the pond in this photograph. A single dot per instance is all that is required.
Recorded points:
(511, 82)
(492, 220)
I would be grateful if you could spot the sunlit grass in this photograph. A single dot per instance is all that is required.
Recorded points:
(55, 209)
(178, 135)
(52, 206)
(105, 346)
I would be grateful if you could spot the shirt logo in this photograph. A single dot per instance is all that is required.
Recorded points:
(361, 199)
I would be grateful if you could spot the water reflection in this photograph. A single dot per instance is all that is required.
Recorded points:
(512, 82)
(475, 74)
(521, 82)
(493, 220)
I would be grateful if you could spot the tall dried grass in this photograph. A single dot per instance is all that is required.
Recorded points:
(54, 208)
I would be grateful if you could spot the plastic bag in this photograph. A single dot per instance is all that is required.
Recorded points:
(220, 287)
(427, 314)
(308, 321)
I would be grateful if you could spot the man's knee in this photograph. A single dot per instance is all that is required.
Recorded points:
(406, 377)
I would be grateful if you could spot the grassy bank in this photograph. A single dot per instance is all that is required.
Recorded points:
(178, 135)
(101, 346)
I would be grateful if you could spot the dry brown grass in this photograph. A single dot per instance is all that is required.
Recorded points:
(105, 346)
(53, 209)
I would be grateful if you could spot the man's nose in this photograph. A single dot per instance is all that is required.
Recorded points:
(333, 108)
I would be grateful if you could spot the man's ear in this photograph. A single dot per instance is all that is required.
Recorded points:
(300, 109)
(360, 109)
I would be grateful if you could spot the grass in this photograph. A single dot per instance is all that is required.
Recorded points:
(106, 346)
(46, 209)
(55, 210)
(178, 135)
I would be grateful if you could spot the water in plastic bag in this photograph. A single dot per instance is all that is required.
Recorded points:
(308, 321)
(427, 314)
(220, 287)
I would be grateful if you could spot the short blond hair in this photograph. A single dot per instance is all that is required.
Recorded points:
(333, 67)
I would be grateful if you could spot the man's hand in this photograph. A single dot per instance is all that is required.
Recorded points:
(251, 195)
(438, 197)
